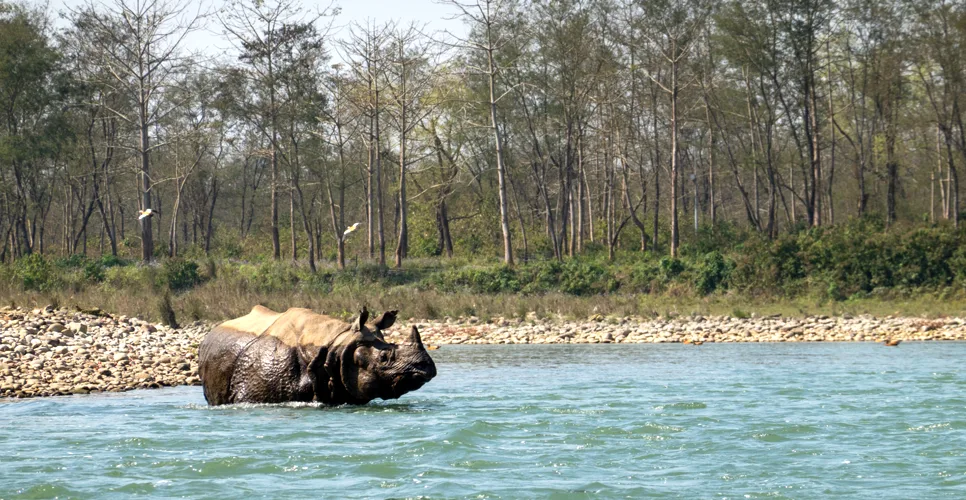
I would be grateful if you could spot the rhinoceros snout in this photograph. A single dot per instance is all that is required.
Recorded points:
(413, 378)
(429, 372)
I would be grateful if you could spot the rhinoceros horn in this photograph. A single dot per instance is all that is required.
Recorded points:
(414, 338)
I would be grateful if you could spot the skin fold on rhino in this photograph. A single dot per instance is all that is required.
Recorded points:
(298, 355)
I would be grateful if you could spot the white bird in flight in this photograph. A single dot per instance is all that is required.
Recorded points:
(350, 229)
(145, 213)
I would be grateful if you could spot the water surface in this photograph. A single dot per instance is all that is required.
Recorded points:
(604, 421)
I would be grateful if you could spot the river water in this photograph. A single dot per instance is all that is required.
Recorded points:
(796, 420)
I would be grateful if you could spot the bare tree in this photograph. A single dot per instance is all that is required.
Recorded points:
(674, 36)
(365, 53)
(139, 44)
(485, 18)
(337, 133)
(266, 35)
(411, 77)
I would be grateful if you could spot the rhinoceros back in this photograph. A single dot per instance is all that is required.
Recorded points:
(222, 347)
(216, 362)
(253, 359)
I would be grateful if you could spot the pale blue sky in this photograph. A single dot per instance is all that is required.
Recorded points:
(434, 15)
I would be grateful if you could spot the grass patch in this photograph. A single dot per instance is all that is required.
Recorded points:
(855, 268)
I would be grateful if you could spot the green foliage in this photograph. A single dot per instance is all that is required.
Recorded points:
(494, 279)
(852, 261)
(270, 276)
(110, 260)
(132, 277)
(423, 237)
(644, 276)
(75, 261)
(94, 272)
(36, 273)
(712, 272)
(230, 249)
(574, 277)
(178, 275)
(720, 237)
(854, 258)
(669, 268)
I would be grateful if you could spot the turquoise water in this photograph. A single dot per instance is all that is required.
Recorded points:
(602, 421)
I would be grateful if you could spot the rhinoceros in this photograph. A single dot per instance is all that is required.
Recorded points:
(298, 355)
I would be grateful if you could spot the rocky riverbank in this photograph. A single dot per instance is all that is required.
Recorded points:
(687, 329)
(49, 352)
(45, 352)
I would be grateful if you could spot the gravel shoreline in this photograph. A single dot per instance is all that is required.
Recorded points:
(689, 329)
(49, 352)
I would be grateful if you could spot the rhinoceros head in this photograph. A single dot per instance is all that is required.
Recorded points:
(368, 367)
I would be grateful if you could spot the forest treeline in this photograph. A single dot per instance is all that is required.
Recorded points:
(550, 130)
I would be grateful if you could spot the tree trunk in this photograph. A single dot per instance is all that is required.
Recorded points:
(291, 220)
(210, 229)
(380, 218)
(500, 167)
(402, 244)
(674, 157)
(656, 165)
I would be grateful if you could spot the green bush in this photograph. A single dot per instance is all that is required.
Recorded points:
(713, 272)
(855, 259)
(669, 268)
(178, 275)
(211, 269)
(491, 280)
(94, 272)
(110, 260)
(270, 276)
(75, 261)
(574, 277)
(541, 276)
(583, 278)
(36, 273)
(230, 249)
(643, 276)
(130, 277)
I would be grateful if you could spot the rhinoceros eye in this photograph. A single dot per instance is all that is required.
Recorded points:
(383, 356)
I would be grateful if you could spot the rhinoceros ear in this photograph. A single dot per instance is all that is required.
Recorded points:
(386, 320)
(361, 320)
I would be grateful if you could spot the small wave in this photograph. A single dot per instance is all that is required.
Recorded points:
(478, 464)
(47, 490)
(229, 466)
(769, 437)
(930, 427)
(251, 406)
(681, 406)
(374, 407)
(576, 411)
(652, 428)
